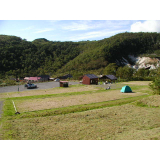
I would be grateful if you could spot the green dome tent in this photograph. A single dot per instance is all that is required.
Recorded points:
(126, 89)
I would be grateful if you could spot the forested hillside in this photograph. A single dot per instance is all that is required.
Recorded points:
(114, 50)
(21, 58)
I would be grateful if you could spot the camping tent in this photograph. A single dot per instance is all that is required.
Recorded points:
(126, 89)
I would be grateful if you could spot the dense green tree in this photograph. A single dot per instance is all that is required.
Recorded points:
(142, 72)
(125, 72)
(110, 69)
(155, 86)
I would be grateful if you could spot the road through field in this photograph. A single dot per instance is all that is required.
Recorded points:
(44, 85)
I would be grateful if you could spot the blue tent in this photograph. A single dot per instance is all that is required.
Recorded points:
(126, 89)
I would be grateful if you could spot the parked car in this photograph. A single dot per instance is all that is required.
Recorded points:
(57, 80)
(30, 86)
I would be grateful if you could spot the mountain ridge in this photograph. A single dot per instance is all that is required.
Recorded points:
(41, 56)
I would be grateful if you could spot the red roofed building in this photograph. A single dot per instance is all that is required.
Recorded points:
(35, 79)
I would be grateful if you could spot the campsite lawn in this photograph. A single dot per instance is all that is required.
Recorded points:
(65, 101)
(90, 114)
(58, 90)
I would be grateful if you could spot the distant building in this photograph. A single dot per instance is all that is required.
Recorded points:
(63, 83)
(65, 76)
(26, 78)
(112, 78)
(90, 79)
(33, 79)
(45, 77)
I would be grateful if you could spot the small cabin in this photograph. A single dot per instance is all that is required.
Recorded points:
(90, 79)
(111, 78)
(63, 83)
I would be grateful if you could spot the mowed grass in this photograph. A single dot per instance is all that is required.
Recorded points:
(118, 122)
(127, 116)
(57, 90)
(65, 101)
(137, 83)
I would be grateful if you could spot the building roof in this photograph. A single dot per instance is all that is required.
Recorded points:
(91, 76)
(26, 78)
(34, 78)
(63, 81)
(44, 76)
(112, 77)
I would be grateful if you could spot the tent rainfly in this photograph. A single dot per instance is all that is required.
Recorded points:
(126, 89)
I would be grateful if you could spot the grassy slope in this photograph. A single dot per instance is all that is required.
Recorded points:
(117, 119)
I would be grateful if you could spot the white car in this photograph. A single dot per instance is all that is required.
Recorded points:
(30, 86)
(57, 80)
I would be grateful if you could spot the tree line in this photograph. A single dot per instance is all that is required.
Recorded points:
(43, 57)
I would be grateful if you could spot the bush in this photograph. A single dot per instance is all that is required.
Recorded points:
(10, 82)
(1, 81)
(142, 78)
(122, 80)
(155, 86)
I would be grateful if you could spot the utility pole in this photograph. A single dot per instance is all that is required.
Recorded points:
(18, 84)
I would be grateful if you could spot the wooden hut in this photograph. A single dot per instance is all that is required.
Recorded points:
(90, 79)
(63, 83)
(111, 78)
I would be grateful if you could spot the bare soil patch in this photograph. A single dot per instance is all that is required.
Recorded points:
(57, 102)
(137, 82)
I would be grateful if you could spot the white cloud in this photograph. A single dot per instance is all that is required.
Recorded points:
(83, 25)
(95, 24)
(44, 30)
(28, 28)
(146, 26)
(95, 34)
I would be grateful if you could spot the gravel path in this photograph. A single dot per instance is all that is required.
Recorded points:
(44, 85)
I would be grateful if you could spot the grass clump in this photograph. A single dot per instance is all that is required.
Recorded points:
(151, 101)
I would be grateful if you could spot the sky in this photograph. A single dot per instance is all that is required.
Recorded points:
(77, 20)
(74, 30)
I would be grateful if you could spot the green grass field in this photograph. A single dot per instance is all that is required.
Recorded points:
(83, 113)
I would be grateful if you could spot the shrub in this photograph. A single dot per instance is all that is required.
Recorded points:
(155, 86)
(10, 82)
